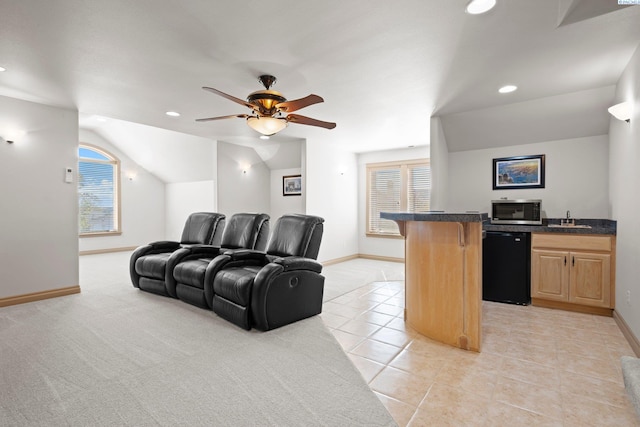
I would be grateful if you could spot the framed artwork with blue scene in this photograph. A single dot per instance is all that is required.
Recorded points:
(518, 172)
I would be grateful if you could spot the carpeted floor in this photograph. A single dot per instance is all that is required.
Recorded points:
(114, 355)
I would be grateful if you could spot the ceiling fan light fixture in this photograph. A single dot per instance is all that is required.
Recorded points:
(267, 125)
(476, 7)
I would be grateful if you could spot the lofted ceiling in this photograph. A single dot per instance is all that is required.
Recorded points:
(383, 68)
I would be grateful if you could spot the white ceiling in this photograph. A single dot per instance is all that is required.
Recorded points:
(384, 68)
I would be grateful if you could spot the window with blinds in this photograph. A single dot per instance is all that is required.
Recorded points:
(98, 192)
(396, 187)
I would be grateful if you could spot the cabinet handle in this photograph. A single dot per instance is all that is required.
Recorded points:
(565, 260)
(461, 235)
(573, 261)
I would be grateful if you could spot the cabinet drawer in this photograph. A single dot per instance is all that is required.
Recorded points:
(571, 242)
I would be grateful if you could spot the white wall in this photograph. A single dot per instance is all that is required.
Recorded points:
(183, 199)
(577, 178)
(439, 153)
(623, 191)
(39, 227)
(381, 246)
(330, 177)
(239, 191)
(142, 202)
(280, 204)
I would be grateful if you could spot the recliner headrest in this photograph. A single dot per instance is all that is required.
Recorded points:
(203, 228)
(296, 235)
(246, 230)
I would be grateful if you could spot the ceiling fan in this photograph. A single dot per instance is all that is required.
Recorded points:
(270, 111)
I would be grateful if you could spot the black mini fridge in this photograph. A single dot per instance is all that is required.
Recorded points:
(506, 267)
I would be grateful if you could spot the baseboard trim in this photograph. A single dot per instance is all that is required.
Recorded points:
(364, 256)
(107, 251)
(628, 334)
(339, 260)
(600, 311)
(381, 258)
(37, 296)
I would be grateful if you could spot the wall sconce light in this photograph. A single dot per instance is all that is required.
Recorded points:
(476, 7)
(245, 168)
(10, 136)
(621, 111)
(132, 175)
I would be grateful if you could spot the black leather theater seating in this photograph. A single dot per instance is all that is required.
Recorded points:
(231, 273)
(148, 264)
(242, 231)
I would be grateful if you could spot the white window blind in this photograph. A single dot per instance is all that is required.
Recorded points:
(396, 187)
(419, 188)
(97, 192)
(384, 196)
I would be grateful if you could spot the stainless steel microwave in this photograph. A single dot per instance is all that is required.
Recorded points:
(519, 211)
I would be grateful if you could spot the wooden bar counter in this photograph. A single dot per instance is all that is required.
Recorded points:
(443, 275)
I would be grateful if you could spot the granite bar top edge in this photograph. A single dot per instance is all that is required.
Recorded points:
(436, 216)
(598, 226)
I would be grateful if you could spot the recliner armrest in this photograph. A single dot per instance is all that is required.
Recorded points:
(206, 250)
(164, 244)
(149, 249)
(299, 263)
(246, 255)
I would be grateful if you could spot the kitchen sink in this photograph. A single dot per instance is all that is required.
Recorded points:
(569, 226)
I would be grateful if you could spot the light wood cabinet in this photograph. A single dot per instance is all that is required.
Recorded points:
(573, 272)
(443, 284)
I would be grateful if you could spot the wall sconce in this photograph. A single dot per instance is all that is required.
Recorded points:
(476, 7)
(131, 175)
(621, 111)
(10, 136)
(245, 168)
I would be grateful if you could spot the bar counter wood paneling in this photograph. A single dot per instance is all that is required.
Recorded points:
(443, 275)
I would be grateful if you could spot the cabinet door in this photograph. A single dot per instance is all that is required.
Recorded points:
(550, 275)
(590, 279)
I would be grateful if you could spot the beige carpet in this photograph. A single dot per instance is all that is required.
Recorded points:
(114, 355)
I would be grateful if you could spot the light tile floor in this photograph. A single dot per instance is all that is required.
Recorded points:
(537, 366)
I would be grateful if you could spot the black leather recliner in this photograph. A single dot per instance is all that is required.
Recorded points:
(272, 289)
(148, 264)
(189, 265)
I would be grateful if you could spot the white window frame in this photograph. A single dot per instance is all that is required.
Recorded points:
(115, 162)
(404, 166)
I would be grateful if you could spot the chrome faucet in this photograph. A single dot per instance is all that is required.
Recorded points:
(569, 220)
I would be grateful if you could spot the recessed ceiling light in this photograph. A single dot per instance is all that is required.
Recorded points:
(2, 69)
(264, 137)
(172, 114)
(508, 89)
(476, 7)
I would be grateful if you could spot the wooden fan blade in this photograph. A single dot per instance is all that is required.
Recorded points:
(233, 116)
(302, 120)
(229, 97)
(296, 104)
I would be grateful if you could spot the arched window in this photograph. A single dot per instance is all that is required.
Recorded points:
(98, 192)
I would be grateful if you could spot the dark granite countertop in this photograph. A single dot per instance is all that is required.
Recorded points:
(598, 226)
(436, 216)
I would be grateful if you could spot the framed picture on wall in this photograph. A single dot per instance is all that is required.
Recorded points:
(292, 185)
(518, 172)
